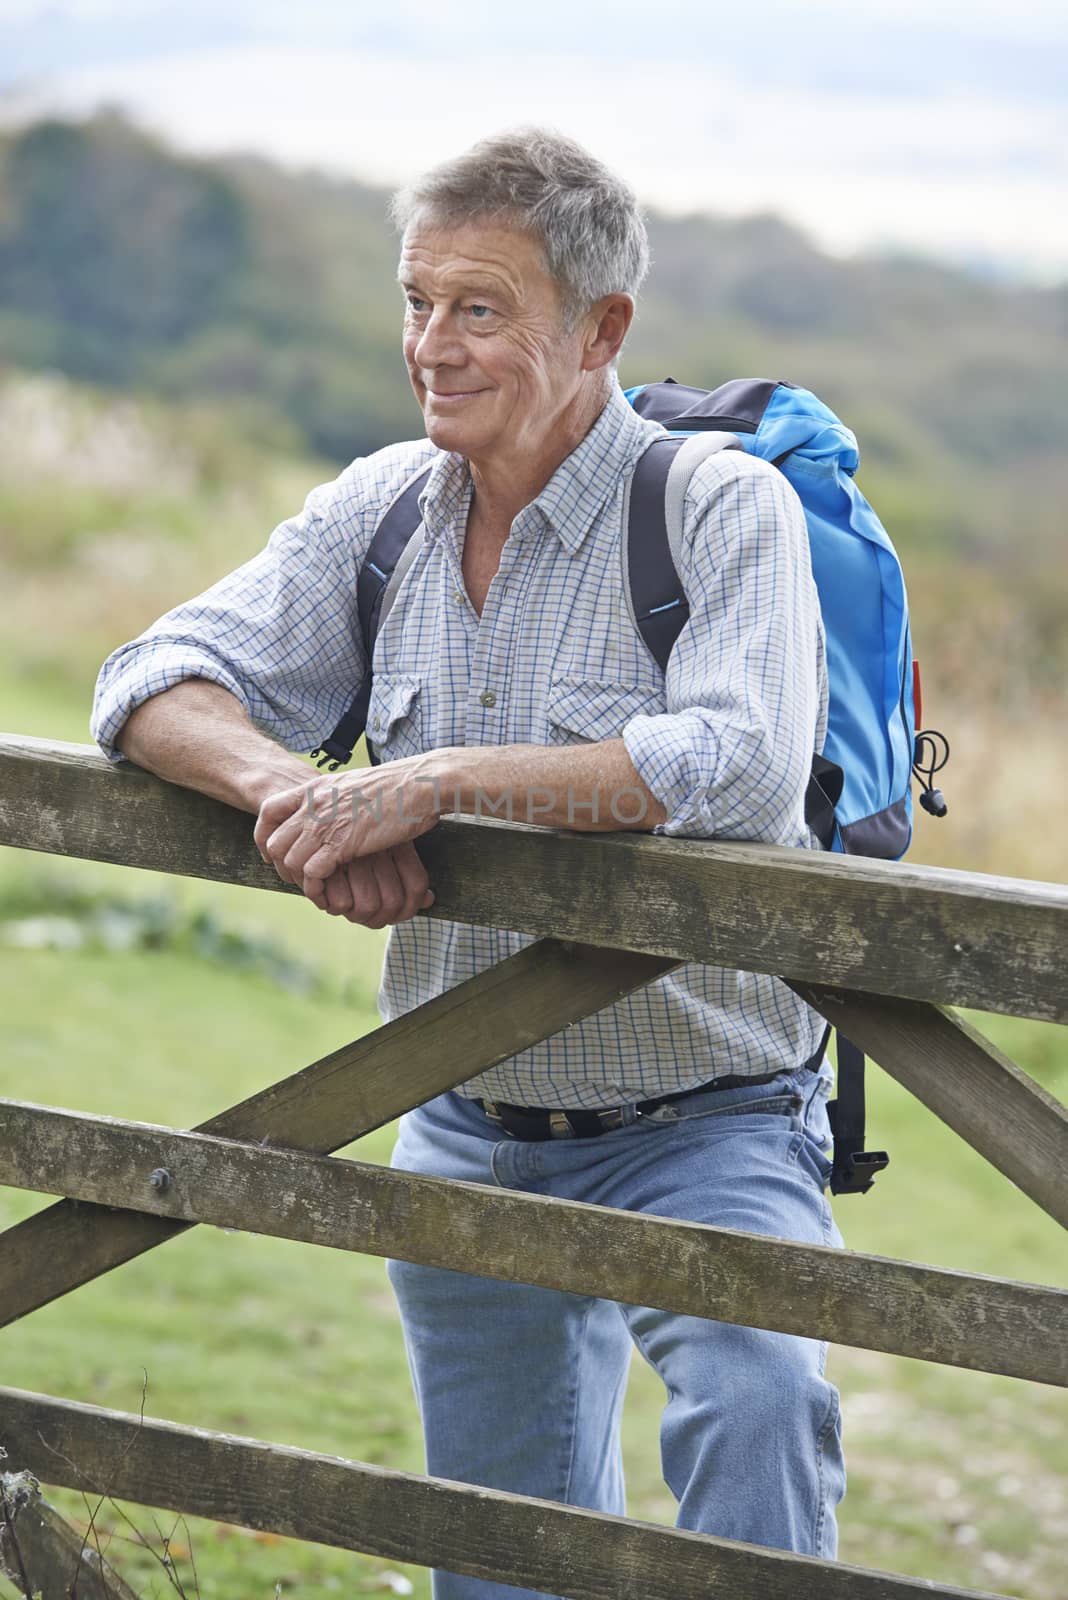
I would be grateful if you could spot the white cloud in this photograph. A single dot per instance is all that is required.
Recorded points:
(1003, 16)
(87, 10)
(1007, 16)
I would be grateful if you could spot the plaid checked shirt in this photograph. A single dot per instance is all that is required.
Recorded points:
(724, 739)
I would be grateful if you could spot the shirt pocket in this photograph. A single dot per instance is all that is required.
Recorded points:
(394, 716)
(589, 710)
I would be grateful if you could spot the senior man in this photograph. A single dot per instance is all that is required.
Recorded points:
(509, 667)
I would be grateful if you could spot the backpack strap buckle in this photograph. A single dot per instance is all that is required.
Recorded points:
(855, 1171)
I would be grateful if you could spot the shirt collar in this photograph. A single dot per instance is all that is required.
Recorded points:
(577, 491)
(575, 494)
(444, 503)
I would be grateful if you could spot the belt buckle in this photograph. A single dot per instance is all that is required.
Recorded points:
(500, 1115)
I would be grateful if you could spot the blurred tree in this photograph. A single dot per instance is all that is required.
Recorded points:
(128, 249)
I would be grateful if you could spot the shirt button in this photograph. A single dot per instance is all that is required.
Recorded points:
(459, 597)
(488, 697)
(377, 723)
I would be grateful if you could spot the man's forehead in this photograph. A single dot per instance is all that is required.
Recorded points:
(480, 254)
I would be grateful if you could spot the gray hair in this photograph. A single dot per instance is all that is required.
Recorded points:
(586, 219)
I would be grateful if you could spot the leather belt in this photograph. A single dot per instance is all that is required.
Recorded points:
(545, 1122)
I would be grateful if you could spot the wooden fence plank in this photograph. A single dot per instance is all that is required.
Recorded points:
(964, 1079)
(482, 1533)
(896, 1306)
(43, 1555)
(923, 933)
(510, 1006)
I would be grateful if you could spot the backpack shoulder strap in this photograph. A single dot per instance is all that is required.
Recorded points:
(651, 549)
(391, 552)
(396, 526)
(651, 546)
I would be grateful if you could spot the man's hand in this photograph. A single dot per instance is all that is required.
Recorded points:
(378, 890)
(199, 735)
(360, 826)
(346, 842)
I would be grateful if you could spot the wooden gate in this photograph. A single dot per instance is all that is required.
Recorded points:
(877, 948)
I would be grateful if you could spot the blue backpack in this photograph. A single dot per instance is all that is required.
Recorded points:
(858, 799)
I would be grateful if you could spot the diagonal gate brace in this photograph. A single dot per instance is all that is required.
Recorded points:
(361, 1086)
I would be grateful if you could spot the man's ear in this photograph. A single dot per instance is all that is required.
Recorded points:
(605, 328)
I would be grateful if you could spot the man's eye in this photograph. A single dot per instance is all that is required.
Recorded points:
(480, 313)
(415, 304)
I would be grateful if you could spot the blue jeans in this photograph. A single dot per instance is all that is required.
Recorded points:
(522, 1388)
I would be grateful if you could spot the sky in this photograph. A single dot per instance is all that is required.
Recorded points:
(924, 126)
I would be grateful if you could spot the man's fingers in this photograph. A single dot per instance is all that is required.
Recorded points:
(363, 887)
(418, 895)
(302, 853)
(281, 851)
(374, 891)
(277, 839)
(403, 888)
(337, 894)
(315, 890)
(314, 844)
(312, 859)
(291, 828)
(273, 813)
(390, 890)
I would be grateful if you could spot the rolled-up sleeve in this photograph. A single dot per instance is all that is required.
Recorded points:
(746, 684)
(280, 633)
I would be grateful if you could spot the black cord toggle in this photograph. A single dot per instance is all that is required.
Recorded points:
(930, 754)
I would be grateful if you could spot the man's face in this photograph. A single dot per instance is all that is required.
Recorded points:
(484, 344)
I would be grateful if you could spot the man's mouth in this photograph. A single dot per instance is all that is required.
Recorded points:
(453, 396)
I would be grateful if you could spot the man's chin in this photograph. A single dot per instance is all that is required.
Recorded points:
(452, 433)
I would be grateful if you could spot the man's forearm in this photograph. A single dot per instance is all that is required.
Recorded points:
(313, 833)
(591, 787)
(198, 735)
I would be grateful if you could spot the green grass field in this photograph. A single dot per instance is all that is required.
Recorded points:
(955, 1476)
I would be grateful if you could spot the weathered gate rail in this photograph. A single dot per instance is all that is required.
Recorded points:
(872, 946)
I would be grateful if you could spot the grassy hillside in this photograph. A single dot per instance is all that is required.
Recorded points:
(122, 263)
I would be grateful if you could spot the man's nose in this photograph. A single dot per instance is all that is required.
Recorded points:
(438, 343)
